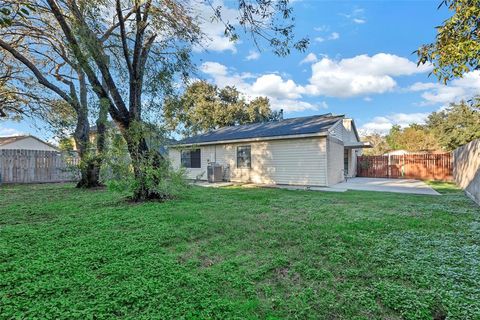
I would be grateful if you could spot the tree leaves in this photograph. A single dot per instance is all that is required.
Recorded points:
(457, 45)
(456, 125)
(10, 12)
(205, 107)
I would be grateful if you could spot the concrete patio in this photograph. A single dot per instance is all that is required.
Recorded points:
(411, 186)
(386, 185)
(207, 184)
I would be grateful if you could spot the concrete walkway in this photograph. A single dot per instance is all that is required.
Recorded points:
(212, 185)
(386, 185)
(367, 184)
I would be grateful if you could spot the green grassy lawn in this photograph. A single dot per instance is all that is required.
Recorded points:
(238, 253)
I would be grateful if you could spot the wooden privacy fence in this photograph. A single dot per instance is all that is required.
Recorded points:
(436, 166)
(35, 166)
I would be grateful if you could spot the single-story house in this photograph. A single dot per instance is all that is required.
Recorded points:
(25, 142)
(316, 151)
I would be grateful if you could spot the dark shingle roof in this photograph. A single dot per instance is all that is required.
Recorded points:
(286, 127)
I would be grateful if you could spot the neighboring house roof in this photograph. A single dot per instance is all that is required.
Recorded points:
(396, 152)
(8, 140)
(287, 127)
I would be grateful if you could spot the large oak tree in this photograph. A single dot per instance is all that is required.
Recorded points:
(133, 52)
(41, 78)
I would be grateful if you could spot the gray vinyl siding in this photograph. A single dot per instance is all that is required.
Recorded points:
(335, 161)
(337, 131)
(348, 134)
(290, 161)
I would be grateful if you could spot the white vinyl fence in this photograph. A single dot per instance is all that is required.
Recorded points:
(35, 166)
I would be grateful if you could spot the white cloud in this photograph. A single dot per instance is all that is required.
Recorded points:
(334, 36)
(459, 89)
(213, 28)
(252, 55)
(222, 76)
(283, 93)
(289, 105)
(311, 57)
(273, 85)
(422, 86)
(444, 95)
(5, 132)
(214, 68)
(383, 124)
(323, 28)
(357, 16)
(359, 75)
(331, 36)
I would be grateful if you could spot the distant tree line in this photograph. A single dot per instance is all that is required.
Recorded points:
(443, 130)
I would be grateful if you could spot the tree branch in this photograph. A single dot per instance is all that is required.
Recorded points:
(110, 30)
(38, 74)
(121, 115)
(123, 36)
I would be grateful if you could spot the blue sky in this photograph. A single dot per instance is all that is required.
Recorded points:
(359, 63)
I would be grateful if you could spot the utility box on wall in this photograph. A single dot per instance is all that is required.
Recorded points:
(214, 172)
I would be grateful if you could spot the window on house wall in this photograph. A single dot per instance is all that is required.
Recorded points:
(191, 158)
(244, 157)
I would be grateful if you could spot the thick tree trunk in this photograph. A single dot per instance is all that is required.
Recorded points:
(90, 161)
(144, 159)
(89, 173)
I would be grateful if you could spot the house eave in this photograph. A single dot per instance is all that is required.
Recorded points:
(293, 136)
(357, 145)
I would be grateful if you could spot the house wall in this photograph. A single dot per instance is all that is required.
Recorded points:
(348, 135)
(335, 159)
(28, 144)
(337, 131)
(290, 161)
(352, 168)
(466, 169)
(352, 162)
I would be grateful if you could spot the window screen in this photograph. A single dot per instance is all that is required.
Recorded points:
(191, 158)
(244, 157)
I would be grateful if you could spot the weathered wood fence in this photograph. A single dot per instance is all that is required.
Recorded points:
(35, 166)
(466, 169)
(436, 166)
